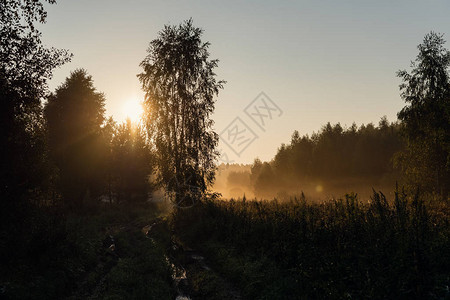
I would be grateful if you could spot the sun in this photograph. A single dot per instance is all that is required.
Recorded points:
(133, 110)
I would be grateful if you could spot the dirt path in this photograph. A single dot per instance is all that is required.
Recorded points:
(108, 259)
(109, 256)
(193, 277)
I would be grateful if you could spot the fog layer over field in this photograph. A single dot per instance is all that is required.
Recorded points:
(328, 164)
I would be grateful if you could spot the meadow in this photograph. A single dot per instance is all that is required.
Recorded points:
(341, 249)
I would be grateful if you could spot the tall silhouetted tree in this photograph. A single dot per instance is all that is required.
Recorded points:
(25, 67)
(180, 88)
(426, 117)
(75, 114)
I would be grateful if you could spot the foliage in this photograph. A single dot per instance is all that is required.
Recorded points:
(131, 163)
(334, 250)
(25, 67)
(75, 114)
(25, 64)
(426, 117)
(142, 273)
(332, 153)
(180, 86)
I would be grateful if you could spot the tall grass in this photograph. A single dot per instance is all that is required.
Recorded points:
(344, 248)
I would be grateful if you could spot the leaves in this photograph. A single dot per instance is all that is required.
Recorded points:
(426, 117)
(180, 85)
(25, 67)
(75, 115)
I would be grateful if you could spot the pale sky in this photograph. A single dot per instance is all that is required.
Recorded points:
(318, 61)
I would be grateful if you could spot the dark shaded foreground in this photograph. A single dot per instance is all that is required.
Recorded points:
(397, 249)
(240, 250)
(120, 252)
(100, 256)
(194, 278)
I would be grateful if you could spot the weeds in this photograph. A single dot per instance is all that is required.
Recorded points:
(340, 249)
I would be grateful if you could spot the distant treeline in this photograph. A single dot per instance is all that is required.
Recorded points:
(330, 155)
(415, 150)
(335, 151)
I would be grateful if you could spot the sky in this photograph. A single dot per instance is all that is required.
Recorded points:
(289, 65)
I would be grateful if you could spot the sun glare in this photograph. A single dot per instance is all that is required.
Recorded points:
(133, 110)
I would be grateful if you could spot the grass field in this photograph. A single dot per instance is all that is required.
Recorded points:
(344, 249)
(239, 249)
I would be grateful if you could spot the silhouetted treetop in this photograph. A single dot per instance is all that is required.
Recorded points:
(24, 62)
(180, 87)
(426, 117)
(25, 67)
(331, 154)
(75, 115)
(131, 162)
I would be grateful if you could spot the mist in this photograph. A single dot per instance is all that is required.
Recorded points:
(330, 163)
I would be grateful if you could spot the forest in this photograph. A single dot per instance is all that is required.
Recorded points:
(93, 208)
(330, 163)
